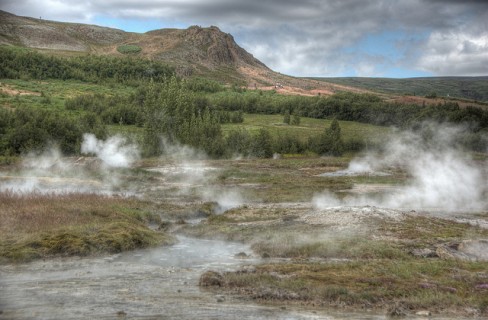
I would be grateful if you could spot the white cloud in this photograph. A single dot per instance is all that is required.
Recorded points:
(309, 37)
(455, 54)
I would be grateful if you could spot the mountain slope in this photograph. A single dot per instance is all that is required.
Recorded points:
(198, 51)
(210, 53)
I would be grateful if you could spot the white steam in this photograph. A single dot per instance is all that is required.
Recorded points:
(191, 173)
(51, 172)
(114, 152)
(226, 199)
(441, 176)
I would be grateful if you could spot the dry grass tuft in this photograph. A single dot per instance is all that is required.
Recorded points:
(37, 226)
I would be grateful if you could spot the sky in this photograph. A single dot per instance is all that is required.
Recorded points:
(322, 38)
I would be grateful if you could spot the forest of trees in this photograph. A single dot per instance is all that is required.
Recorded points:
(191, 111)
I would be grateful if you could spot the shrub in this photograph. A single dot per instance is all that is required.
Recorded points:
(129, 49)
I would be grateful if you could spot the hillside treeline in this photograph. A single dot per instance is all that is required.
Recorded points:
(16, 63)
(347, 106)
(27, 129)
(364, 108)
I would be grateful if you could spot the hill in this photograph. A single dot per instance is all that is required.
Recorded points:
(473, 88)
(213, 54)
(195, 51)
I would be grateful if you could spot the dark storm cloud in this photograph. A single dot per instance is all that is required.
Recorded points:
(314, 37)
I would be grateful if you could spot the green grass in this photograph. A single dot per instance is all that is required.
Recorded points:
(308, 127)
(53, 93)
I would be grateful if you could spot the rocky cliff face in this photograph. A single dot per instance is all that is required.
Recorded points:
(219, 47)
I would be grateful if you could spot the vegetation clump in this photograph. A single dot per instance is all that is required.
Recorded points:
(129, 49)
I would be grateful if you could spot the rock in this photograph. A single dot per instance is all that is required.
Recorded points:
(424, 253)
(467, 250)
(423, 313)
(476, 248)
(246, 269)
(426, 285)
(265, 255)
(181, 221)
(449, 289)
(450, 252)
(211, 279)
(164, 225)
(241, 255)
(398, 310)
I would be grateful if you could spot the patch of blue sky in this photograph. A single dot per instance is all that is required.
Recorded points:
(387, 51)
(396, 72)
(136, 25)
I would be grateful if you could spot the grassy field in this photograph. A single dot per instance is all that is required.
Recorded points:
(308, 127)
(370, 268)
(51, 94)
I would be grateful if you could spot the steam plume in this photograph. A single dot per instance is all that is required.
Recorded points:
(114, 152)
(442, 175)
(50, 172)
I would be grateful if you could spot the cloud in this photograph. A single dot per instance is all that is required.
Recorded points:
(455, 53)
(310, 37)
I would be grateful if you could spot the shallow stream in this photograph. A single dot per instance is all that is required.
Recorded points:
(159, 283)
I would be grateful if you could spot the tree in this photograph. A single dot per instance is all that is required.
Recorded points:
(262, 146)
(295, 121)
(329, 142)
(334, 137)
(174, 113)
(286, 118)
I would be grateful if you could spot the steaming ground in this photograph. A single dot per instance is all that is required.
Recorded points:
(51, 172)
(441, 176)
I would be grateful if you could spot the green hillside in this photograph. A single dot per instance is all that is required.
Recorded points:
(473, 88)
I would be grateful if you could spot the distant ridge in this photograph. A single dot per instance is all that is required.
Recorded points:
(472, 88)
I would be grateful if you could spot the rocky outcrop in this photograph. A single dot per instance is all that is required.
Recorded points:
(467, 250)
(211, 279)
(216, 47)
